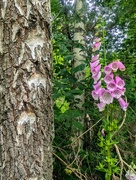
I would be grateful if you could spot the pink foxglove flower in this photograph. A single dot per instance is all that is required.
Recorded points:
(114, 66)
(96, 70)
(101, 106)
(119, 82)
(108, 78)
(111, 86)
(99, 91)
(96, 46)
(94, 64)
(106, 97)
(121, 66)
(96, 57)
(95, 95)
(123, 104)
(97, 85)
(117, 93)
(107, 69)
(97, 77)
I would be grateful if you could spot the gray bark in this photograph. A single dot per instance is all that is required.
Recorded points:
(79, 35)
(26, 115)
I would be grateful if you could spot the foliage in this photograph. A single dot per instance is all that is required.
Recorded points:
(119, 32)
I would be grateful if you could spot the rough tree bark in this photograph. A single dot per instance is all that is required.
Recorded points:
(26, 115)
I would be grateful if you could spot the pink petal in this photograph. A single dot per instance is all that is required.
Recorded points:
(107, 70)
(123, 104)
(96, 57)
(101, 106)
(111, 86)
(96, 70)
(121, 66)
(96, 46)
(119, 82)
(95, 95)
(108, 78)
(94, 64)
(97, 77)
(117, 93)
(114, 66)
(99, 91)
(106, 97)
(97, 85)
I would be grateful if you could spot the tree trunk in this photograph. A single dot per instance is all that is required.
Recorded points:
(26, 115)
(79, 36)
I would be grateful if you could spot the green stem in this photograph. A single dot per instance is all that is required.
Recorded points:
(104, 49)
(109, 165)
(108, 150)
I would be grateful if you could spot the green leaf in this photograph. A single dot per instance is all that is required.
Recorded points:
(81, 67)
(77, 125)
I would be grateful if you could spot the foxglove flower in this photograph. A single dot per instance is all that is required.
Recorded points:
(101, 106)
(111, 86)
(114, 66)
(107, 69)
(108, 78)
(94, 64)
(121, 66)
(97, 85)
(97, 77)
(96, 46)
(96, 70)
(95, 95)
(119, 82)
(123, 104)
(96, 57)
(117, 93)
(106, 97)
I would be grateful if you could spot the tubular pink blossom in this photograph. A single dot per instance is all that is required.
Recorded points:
(121, 66)
(94, 64)
(101, 106)
(108, 78)
(106, 97)
(95, 95)
(96, 70)
(111, 86)
(123, 104)
(96, 46)
(99, 91)
(114, 66)
(107, 69)
(117, 93)
(96, 57)
(119, 82)
(97, 77)
(97, 85)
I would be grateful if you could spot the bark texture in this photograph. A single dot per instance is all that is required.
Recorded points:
(79, 35)
(26, 115)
